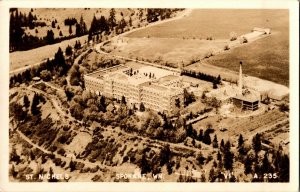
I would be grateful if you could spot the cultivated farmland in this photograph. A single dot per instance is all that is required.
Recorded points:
(263, 58)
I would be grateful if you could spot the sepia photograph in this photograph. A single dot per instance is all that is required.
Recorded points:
(149, 95)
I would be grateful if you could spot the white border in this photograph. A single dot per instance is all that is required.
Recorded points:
(293, 6)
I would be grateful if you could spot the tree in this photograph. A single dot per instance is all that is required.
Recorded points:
(200, 158)
(177, 102)
(60, 33)
(215, 86)
(284, 107)
(190, 132)
(16, 111)
(241, 141)
(219, 156)
(30, 20)
(50, 37)
(102, 104)
(35, 110)
(165, 155)
(200, 136)
(26, 101)
(130, 21)
(123, 100)
(212, 175)
(77, 45)
(75, 75)
(228, 160)
(52, 176)
(256, 143)
(112, 18)
(222, 145)
(188, 97)
(233, 36)
(13, 171)
(45, 75)
(77, 111)
(144, 165)
(53, 24)
(142, 107)
(265, 168)
(72, 165)
(248, 165)
(70, 29)
(206, 137)
(69, 94)
(244, 40)
(215, 142)
(69, 50)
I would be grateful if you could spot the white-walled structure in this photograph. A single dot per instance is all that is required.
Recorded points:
(157, 89)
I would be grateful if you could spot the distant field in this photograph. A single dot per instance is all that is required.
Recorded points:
(169, 50)
(217, 23)
(266, 58)
(19, 59)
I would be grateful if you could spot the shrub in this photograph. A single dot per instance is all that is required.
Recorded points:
(226, 47)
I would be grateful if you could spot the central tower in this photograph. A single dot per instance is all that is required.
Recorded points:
(240, 83)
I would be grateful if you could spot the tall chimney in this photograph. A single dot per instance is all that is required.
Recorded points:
(240, 84)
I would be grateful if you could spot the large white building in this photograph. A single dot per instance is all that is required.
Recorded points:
(156, 88)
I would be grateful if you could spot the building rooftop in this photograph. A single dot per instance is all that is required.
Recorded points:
(248, 95)
(100, 73)
(156, 72)
(167, 78)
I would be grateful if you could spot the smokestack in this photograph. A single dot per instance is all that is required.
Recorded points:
(240, 84)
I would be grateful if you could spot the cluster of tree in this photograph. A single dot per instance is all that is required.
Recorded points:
(203, 136)
(21, 113)
(275, 164)
(77, 45)
(16, 31)
(153, 164)
(53, 23)
(98, 26)
(20, 41)
(158, 14)
(81, 28)
(76, 77)
(202, 76)
(192, 115)
(55, 67)
(35, 108)
(188, 97)
(70, 21)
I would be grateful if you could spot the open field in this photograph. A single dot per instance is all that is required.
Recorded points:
(19, 59)
(262, 58)
(267, 58)
(217, 23)
(167, 50)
